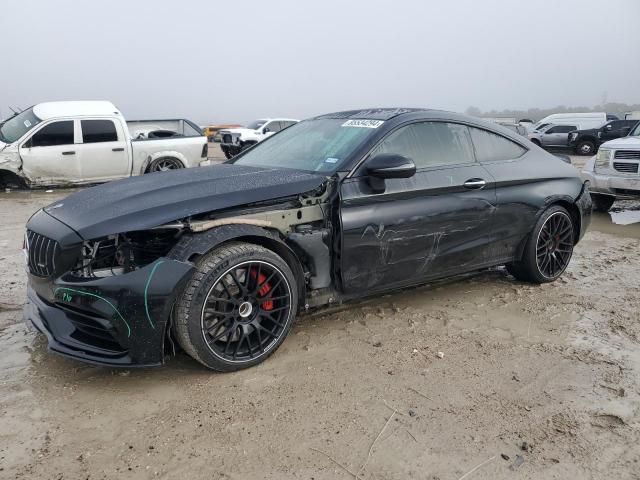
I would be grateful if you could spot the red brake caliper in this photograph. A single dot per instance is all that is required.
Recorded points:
(264, 290)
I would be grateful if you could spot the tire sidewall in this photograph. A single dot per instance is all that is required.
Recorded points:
(211, 276)
(153, 165)
(583, 143)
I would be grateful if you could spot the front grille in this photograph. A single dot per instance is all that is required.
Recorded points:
(626, 167)
(41, 252)
(226, 138)
(627, 154)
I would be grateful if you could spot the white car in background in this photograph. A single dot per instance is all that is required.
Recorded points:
(615, 171)
(74, 143)
(234, 140)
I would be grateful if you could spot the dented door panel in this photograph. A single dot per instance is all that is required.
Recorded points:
(421, 227)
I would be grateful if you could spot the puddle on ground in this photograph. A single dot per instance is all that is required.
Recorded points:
(625, 217)
(623, 223)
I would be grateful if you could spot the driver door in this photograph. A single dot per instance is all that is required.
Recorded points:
(49, 156)
(435, 223)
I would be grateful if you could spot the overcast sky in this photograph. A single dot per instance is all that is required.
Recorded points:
(219, 61)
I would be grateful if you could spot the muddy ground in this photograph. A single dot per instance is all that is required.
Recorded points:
(534, 382)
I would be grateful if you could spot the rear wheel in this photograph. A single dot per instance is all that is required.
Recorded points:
(602, 203)
(586, 147)
(164, 164)
(238, 307)
(548, 249)
(536, 142)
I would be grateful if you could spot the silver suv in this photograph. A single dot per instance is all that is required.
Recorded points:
(552, 135)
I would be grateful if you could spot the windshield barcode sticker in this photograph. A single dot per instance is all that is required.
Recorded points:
(363, 123)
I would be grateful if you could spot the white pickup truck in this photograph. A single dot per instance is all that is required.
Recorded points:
(68, 143)
(615, 171)
(235, 140)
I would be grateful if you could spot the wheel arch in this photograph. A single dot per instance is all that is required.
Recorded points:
(164, 154)
(190, 247)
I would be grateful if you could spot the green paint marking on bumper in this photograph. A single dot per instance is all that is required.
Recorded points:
(67, 297)
(146, 289)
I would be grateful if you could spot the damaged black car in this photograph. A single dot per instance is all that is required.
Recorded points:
(220, 259)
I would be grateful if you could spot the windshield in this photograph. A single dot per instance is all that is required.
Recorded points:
(636, 131)
(16, 127)
(256, 125)
(313, 145)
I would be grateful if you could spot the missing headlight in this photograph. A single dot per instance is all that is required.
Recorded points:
(123, 252)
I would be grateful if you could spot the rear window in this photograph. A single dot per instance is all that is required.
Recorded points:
(491, 147)
(97, 131)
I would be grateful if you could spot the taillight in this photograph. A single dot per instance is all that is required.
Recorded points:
(205, 150)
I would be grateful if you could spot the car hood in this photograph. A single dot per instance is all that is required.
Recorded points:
(153, 199)
(624, 142)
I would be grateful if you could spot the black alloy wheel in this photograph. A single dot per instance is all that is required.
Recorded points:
(586, 148)
(246, 311)
(554, 246)
(237, 308)
(548, 249)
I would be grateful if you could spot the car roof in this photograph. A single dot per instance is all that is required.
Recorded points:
(47, 110)
(373, 113)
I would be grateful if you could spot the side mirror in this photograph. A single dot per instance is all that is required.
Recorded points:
(390, 165)
(266, 130)
(608, 127)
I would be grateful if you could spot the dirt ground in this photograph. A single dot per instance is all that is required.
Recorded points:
(532, 382)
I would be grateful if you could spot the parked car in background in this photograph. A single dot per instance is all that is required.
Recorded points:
(235, 140)
(587, 142)
(334, 208)
(514, 127)
(66, 143)
(212, 132)
(585, 120)
(554, 136)
(615, 171)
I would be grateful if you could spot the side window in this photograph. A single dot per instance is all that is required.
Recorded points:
(273, 126)
(492, 147)
(57, 133)
(96, 131)
(430, 143)
(561, 129)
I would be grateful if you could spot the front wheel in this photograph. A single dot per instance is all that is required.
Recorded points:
(586, 147)
(548, 249)
(602, 203)
(237, 308)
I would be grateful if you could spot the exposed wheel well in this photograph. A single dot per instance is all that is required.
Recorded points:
(11, 180)
(536, 142)
(275, 246)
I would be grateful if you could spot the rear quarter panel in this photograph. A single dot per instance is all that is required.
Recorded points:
(187, 149)
(525, 187)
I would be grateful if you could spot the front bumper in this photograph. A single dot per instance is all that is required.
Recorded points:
(232, 148)
(616, 185)
(118, 320)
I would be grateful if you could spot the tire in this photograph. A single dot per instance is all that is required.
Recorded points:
(586, 147)
(602, 203)
(227, 153)
(221, 319)
(548, 249)
(164, 164)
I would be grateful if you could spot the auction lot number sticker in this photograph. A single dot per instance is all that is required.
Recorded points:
(363, 123)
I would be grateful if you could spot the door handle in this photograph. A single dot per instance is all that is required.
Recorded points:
(118, 149)
(71, 152)
(475, 183)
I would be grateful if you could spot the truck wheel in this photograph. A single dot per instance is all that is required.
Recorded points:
(164, 164)
(237, 308)
(227, 153)
(586, 147)
(548, 249)
(602, 203)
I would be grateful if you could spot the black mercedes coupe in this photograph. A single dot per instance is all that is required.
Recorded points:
(220, 259)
